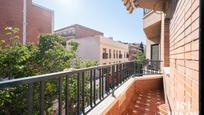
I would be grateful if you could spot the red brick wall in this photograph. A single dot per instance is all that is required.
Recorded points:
(38, 19)
(82, 31)
(182, 85)
(11, 14)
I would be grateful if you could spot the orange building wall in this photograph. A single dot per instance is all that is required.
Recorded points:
(182, 85)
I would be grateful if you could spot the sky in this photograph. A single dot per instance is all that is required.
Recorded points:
(107, 16)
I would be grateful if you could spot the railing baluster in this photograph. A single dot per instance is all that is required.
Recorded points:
(120, 73)
(42, 96)
(83, 103)
(94, 86)
(100, 84)
(91, 88)
(117, 75)
(113, 80)
(30, 98)
(106, 79)
(78, 93)
(60, 96)
(67, 96)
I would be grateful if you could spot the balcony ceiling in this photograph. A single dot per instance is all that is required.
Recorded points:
(153, 30)
(156, 5)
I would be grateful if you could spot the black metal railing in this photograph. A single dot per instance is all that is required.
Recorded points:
(68, 92)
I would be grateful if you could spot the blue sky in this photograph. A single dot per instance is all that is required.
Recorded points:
(107, 16)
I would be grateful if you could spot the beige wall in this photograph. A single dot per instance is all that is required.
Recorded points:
(113, 45)
(91, 48)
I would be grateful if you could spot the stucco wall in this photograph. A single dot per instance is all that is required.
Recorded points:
(89, 48)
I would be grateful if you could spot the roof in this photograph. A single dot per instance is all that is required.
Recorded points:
(75, 26)
(42, 7)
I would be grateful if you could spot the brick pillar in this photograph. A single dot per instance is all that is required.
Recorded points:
(164, 41)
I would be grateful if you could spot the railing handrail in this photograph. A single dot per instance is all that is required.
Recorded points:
(31, 79)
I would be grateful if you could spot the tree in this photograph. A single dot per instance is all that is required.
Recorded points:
(18, 60)
(142, 47)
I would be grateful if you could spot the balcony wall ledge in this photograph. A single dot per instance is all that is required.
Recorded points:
(111, 100)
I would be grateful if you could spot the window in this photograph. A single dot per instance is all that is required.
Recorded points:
(117, 54)
(114, 54)
(109, 53)
(155, 52)
(104, 54)
(120, 55)
(127, 55)
(104, 50)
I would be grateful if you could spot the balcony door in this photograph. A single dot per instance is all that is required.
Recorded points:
(155, 52)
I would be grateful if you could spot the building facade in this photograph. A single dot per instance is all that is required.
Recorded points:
(93, 45)
(172, 31)
(134, 48)
(31, 19)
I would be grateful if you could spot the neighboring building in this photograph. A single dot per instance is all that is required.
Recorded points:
(134, 48)
(94, 46)
(173, 37)
(32, 19)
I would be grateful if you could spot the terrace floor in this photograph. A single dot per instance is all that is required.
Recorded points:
(146, 103)
(138, 96)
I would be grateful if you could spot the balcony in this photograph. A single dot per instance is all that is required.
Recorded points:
(152, 23)
(85, 91)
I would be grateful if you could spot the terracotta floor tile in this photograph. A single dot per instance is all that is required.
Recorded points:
(146, 103)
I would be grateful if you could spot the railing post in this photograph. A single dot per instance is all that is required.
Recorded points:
(94, 87)
(42, 95)
(83, 103)
(113, 78)
(60, 96)
(78, 93)
(117, 75)
(67, 96)
(100, 83)
(91, 81)
(30, 98)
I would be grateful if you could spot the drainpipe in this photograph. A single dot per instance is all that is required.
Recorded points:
(24, 20)
(201, 60)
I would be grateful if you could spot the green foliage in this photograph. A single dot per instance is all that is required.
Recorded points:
(140, 57)
(18, 60)
(15, 57)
